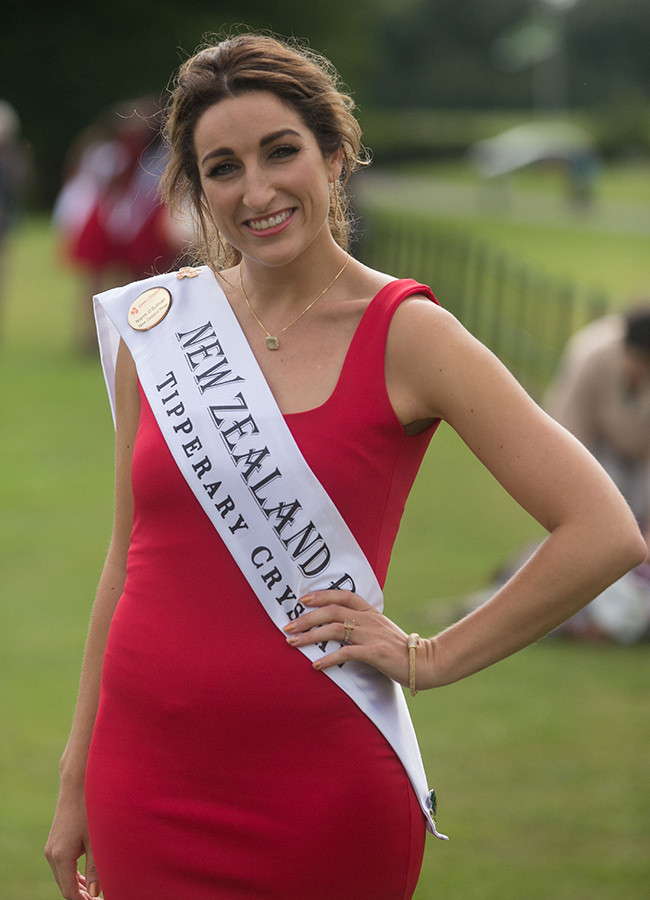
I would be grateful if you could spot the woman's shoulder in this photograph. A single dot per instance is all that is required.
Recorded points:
(407, 306)
(423, 331)
(370, 283)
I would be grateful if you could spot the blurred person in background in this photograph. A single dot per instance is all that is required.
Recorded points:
(601, 394)
(112, 223)
(14, 166)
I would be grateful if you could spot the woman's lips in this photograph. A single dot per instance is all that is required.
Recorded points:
(269, 225)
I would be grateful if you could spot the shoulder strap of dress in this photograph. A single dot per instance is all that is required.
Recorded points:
(381, 309)
(368, 345)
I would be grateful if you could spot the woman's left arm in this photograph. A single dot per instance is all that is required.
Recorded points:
(436, 369)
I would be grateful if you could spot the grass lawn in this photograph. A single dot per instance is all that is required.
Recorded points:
(623, 181)
(540, 763)
(606, 249)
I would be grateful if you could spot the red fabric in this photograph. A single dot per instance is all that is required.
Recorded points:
(222, 765)
(148, 249)
(126, 225)
(93, 246)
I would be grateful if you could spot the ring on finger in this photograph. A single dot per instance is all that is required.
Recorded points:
(349, 625)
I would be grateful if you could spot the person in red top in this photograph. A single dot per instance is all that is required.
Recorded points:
(110, 217)
(208, 757)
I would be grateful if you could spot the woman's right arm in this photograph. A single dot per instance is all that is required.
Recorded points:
(68, 839)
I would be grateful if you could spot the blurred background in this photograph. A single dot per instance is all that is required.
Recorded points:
(62, 65)
(511, 148)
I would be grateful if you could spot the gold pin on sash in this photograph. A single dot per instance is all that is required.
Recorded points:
(149, 308)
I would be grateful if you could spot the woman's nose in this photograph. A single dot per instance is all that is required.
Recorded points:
(259, 191)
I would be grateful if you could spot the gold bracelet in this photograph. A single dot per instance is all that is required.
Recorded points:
(412, 643)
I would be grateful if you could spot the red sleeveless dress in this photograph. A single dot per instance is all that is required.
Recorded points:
(222, 765)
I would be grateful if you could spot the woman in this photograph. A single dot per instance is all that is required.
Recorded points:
(219, 759)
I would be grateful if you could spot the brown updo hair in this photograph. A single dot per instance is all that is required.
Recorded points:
(241, 64)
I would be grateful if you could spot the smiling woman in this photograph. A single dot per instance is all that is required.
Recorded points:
(241, 730)
(260, 181)
(305, 82)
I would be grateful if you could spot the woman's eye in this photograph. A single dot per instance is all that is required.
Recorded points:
(284, 150)
(221, 170)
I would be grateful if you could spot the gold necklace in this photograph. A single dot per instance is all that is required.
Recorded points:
(273, 340)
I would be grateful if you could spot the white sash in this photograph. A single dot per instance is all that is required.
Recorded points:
(234, 448)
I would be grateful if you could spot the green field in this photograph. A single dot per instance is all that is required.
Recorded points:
(540, 763)
(605, 248)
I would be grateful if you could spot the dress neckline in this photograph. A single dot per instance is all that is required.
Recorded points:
(347, 357)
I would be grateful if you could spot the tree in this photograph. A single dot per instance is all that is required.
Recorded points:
(63, 64)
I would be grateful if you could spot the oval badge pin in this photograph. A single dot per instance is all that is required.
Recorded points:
(149, 308)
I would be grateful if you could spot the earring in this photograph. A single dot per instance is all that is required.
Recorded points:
(336, 212)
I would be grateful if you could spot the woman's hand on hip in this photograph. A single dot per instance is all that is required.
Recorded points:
(365, 634)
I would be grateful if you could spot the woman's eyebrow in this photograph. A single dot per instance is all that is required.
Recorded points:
(268, 139)
(222, 151)
(277, 134)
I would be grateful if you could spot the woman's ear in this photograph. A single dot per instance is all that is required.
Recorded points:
(336, 165)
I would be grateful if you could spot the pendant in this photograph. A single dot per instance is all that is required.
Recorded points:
(272, 342)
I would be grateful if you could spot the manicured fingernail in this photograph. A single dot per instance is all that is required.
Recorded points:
(292, 640)
(316, 665)
(290, 627)
(307, 600)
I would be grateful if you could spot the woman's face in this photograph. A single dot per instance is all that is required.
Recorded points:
(264, 177)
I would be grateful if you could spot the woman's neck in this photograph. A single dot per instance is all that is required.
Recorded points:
(294, 284)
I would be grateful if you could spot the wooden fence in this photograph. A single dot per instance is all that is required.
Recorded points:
(521, 313)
